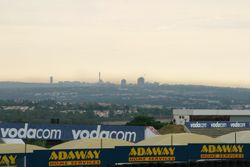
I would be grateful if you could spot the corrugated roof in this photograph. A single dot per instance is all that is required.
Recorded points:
(178, 139)
(211, 112)
(18, 148)
(91, 143)
(241, 137)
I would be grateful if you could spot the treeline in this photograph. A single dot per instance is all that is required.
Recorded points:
(172, 96)
(72, 113)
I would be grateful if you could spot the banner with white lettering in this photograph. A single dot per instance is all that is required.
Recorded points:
(162, 153)
(71, 132)
(221, 124)
(218, 151)
(72, 158)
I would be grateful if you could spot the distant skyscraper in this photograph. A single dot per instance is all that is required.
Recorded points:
(100, 79)
(140, 81)
(51, 80)
(123, 83)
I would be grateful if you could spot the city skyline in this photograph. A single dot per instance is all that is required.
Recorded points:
(179, 42)
(133, 81)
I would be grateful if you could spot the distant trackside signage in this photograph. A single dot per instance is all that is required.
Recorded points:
(71, 132)
(193, 125)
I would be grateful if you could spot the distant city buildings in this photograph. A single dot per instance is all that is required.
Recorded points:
(102, 114)
(123, 83)
(51, 80)
(140, 81)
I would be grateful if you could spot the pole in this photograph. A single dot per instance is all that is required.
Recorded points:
(25, 151)
(235, 137)
(101, 143)
(172, 140)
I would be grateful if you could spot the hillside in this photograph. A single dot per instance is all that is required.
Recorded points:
(171, 129)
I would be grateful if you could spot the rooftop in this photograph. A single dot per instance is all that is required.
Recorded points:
(210, 112)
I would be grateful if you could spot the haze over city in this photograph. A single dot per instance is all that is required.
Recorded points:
(190, 42)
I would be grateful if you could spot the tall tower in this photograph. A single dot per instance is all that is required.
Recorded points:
(51, 79)
(100, 79)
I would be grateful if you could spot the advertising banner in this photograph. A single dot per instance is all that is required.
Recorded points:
(127, 154)
(150, 154)
(71, 132)
(193, 125)
(218, 151)
(11, 160)
(72, 158)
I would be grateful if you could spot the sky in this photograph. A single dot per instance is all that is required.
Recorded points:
(180, 42)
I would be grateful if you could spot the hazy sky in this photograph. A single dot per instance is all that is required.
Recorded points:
(173, 41)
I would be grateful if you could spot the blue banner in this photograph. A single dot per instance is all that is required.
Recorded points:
(218, 151)
(221, 124)
(11, 160)
(71, 132)
(72, 158)
(162, 153)
(125, 154)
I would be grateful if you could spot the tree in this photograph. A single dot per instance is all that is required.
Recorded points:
(145, 121)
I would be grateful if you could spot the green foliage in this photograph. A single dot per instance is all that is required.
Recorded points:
(42, 143)
(145, 121)
(72, 113)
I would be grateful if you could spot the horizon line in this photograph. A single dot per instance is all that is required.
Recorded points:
(130, 83)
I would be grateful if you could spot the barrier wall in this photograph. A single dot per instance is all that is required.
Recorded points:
(71, 132)
(128, 155)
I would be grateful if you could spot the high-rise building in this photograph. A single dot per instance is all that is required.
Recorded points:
(123, 83)
(100, 78)
(51, 80)
(140, 81)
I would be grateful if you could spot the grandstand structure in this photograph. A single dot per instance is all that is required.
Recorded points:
(216, 132)
(181, 116)
(219, 119)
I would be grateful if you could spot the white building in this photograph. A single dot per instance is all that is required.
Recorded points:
(102, 114)
(181, 116)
